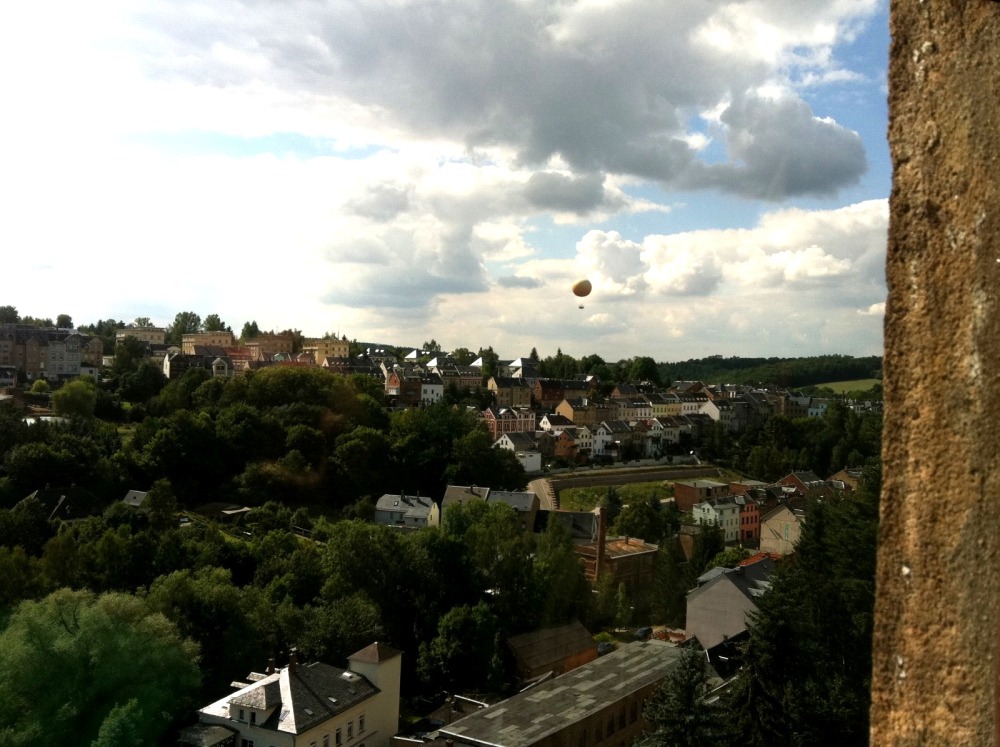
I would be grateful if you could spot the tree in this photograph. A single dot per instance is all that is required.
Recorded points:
(141, 321)
(76, 398)
(806, 671)
(41, 386)
(250, 331)
(9, 315)
(463, 655)
(431, 347)
(491, 361)
(214, 324)
(463, 356)
(679, 712)
(642, 518)
(64, 321)
(728, 558)
(185, 323)
(75, 668)
(644, 368)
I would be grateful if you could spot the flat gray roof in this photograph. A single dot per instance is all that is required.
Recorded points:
(532, 715)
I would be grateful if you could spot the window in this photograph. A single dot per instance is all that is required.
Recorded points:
(361, 724)
(350, 730)
(247, 743)
(338, 738)
(326, 740)
(242, 715)
(599, 733)
(253, 717)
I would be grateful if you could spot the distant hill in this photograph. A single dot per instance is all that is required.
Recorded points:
(785, 372)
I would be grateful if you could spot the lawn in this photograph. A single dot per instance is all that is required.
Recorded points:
(858, 385)
(586, 499)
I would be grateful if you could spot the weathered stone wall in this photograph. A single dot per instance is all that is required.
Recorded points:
(935, 678)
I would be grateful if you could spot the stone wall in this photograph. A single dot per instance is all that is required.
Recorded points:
(935, 678)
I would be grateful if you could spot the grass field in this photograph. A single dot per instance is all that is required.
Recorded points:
(586, 499)
(858, 385)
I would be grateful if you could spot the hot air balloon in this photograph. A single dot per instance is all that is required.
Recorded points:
(582, 288)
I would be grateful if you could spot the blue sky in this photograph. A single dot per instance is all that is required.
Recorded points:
(401, 170)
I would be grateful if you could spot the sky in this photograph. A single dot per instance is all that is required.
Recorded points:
(398, 171)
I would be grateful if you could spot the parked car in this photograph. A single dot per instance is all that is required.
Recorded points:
(643, 634)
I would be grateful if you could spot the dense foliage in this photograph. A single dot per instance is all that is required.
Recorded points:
(309, 452)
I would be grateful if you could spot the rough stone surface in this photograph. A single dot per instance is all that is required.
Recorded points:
(937, 624)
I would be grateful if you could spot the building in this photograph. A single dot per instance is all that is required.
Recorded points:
(552, 650)
(717, 609)
(308, 705)
(327, 347)
(628, 560)
(525, 504)
(722, 512)
(689, 492)
(152, 335)
(223, 339)
(780, 530)
(406, 511)
(599, 703)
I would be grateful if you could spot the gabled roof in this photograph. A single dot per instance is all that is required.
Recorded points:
(521, 440)
(520, 501)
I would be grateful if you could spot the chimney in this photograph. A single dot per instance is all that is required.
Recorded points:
(270, 666)
(602, 530)
(293, 660)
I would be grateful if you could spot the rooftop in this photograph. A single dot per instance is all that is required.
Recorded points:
(550, 707)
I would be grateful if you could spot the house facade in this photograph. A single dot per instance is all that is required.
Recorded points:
(406, 511)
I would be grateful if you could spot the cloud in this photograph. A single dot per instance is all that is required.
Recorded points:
(516, 281)
(779, 148)
(564, 193)
(604, 87)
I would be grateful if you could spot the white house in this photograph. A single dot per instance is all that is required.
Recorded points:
(722, 512)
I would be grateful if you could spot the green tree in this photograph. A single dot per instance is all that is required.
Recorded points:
(491, 361)
(642, 518)
(644, 368)
(41, 386)
(141, 321)
(213, 323)
(75, 666)
(679, 713)
(129, 354)
(561, 587)
(728, 558)
(64, 321)
(9, 315)
(185, 323)
(76, 398)
(250, 331)
(463, 655)
(463, 356)
(806, 672)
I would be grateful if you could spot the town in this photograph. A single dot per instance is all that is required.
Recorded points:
(481, 540)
